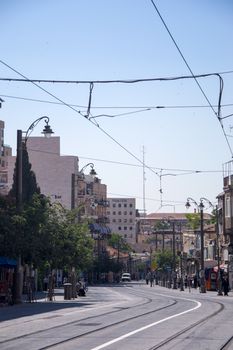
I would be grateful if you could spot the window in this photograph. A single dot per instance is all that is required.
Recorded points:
(125, 205)
(131, 205)
(130, 220)
(125, 212)
(119, 228)
(125, 235)
(108, 212)
(113, 220)
(119, 212)
(131, 228)
(125, 228)
(130, 213)
(114, 205)
(125, 220)
(113, 213)
(119, 220)
(227, 207)
(119, 205)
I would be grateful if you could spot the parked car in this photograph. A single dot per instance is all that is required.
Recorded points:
(126, 277)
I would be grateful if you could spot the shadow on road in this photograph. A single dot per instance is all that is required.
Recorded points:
(41, 305)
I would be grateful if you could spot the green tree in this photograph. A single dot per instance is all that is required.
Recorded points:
(193, 221)
(29, 184)
(117, 242)
(7, 227)
(69, 242)
(164, 260)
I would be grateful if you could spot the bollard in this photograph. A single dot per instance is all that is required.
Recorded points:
(67, 291)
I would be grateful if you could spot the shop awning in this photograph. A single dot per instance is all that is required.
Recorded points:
(6, 262)
(99, 229)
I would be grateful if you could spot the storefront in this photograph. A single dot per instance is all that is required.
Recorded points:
(7, 270)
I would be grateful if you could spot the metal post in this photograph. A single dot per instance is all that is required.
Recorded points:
(181, 274)
(174, 255)
(19, 161)
(19, 186)
(202, 276)
(218, 255)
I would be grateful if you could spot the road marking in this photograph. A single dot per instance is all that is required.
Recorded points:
(148, 326)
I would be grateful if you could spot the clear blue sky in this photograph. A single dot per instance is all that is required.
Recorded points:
(125, 39)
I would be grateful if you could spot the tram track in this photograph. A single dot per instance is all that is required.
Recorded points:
(228, 345)
(91, 322)
(158, 346)
(89, 319)
(190, 327)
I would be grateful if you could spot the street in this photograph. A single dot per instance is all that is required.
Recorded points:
(130, 316)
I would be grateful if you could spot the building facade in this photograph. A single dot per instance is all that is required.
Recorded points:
(122, 215)
(53, 171)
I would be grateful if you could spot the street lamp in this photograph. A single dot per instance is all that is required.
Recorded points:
(200, 207)
(47, 131)
(218, 254)
(171, 220)
(21, 144)
(92, 171)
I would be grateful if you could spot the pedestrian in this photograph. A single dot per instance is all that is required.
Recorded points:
(147, 277)
(151, 279)
(195, 282)
(186, 282)
(45, 283)
(225, 285)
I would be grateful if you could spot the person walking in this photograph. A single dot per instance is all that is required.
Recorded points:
(225, 285)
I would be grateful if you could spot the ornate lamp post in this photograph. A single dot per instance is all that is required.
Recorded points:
(92, 171)
(47, 131)
(200, 207)
(19, 181)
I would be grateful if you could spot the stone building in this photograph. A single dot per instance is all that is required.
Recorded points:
(122, 215)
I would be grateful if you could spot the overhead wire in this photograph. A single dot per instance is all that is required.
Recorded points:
(183, 171)
(75, 110)
(217, 114)
(119, 107)
(113, 81)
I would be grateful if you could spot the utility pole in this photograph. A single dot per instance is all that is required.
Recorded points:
(203, 288)
(19, 191)
(218, 254)
(174, 254)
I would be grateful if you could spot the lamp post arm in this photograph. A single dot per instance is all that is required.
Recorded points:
(207, 201)
(32, 126)
(189, 199)
(85, 166)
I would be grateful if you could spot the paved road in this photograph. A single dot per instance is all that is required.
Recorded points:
(132, 316)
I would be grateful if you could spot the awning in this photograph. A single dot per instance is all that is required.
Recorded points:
(99, 229)
(6, 262)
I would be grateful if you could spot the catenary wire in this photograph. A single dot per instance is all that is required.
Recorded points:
(118, 107)
(218, 114)
(184, 171)
(121, 81)
(75, 110)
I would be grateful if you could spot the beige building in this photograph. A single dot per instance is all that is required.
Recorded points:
(122, 217)
(60, 178)
(53, 171)
(91, 198)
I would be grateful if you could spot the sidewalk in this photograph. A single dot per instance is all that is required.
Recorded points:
(197, 291)
(42, 305)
